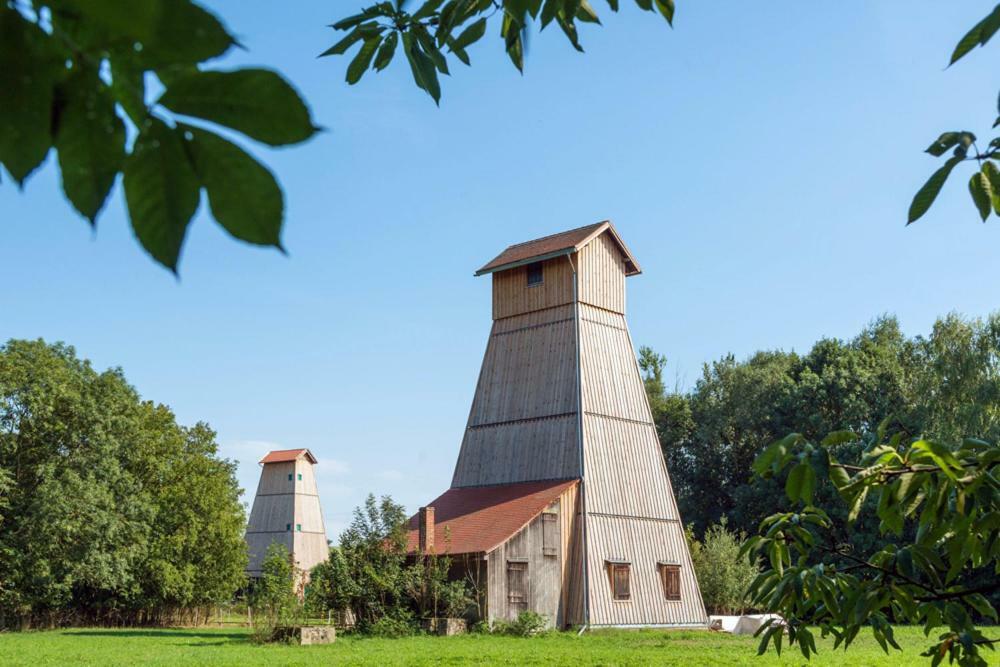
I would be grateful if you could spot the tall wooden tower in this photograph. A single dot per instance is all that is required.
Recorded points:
(560, 397)
(286, 509)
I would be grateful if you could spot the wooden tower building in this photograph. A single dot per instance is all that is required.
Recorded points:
(286, 509)
(560, 501)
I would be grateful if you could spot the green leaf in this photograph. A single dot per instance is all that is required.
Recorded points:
(839, 438)
(666, 8)
(429, 47)
(982, 194)
(795, 484)
(472, 34)
(29, 68)
(424, 73)
(977, 36)
(244, 196)
(363, 60)
(90, 140)
(993, 174)
(257, 102)
(347, 42)
(943, 143)
(929, 192)
(386, 52)
(586, 13)
(129, 88)
(161, 190)
(427, 9)
(183, 33)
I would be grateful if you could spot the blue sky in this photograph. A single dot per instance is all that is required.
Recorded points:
(759, 159)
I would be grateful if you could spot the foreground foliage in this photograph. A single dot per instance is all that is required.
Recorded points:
(110, 512)
(274, 599)
(623, 647)
(428, 33)
(79, 76)
(941, 506)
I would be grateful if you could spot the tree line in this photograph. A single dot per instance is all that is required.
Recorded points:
(110, 511)
(943, 386)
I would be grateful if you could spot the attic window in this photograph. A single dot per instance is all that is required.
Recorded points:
(289, 477)
(534, 274)
(670, 573)
(288, 526)
(619, 574)
(300, 477)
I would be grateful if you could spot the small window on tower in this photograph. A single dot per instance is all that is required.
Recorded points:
(670, 573)
(289, 477)
(618, 573)
(534, 274)
(300, 477)
(288, 526)
(298, 527)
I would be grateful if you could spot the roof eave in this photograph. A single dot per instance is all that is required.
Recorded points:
(524, 262)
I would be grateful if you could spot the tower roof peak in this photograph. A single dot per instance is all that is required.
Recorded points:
(556, 245)
(286, 455)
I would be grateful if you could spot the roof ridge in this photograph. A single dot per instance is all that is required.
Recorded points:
(565, 231)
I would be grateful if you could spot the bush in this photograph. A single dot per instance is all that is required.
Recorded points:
(723, 575)
(527, 624)
(273, 600)
(392, 627)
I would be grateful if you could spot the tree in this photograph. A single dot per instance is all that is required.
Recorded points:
(724, 573)
(456, 25)
(984, 184)
(111, 511)
(273, 598)
(939, 505)
(76, 76)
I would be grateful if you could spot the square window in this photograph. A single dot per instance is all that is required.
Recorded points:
(671, 576)
(535, 276)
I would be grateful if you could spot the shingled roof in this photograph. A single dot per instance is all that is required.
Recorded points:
(556, 245)
(285, 455)
(478, 519)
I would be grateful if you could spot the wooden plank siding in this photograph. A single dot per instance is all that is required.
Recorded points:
(512, 296)
(542, 576)
(601, 274)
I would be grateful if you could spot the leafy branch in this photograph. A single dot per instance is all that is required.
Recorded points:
(438, 29)
(984, 184)
(948, 500)
(74, 75)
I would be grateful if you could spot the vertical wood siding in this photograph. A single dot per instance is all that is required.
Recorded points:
(281, 502)
(542, 579)
(602, 274)
(512, 296)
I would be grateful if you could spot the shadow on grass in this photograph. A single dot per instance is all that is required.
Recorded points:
(229, 637)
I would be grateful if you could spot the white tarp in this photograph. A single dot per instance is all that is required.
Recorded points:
(741, 625)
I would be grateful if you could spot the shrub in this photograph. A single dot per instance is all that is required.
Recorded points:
(527, 624)
(392, 627)
(273, 600)
(723, 575)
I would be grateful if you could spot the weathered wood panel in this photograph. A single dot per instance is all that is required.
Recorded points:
(601, 273)
(611, 383)
(543, 574)
(527, 373)
(521, 451)
(512, 296)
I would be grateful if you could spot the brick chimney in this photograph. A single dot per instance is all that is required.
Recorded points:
(426, 533)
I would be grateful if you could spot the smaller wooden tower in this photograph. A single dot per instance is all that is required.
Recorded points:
(286, 509)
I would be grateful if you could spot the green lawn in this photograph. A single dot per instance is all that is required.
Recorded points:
(609, 647)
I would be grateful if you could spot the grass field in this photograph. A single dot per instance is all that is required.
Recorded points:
(610, 647)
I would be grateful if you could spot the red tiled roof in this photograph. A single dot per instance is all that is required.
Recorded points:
(478, 519)
(555, 245)
(285, 455)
